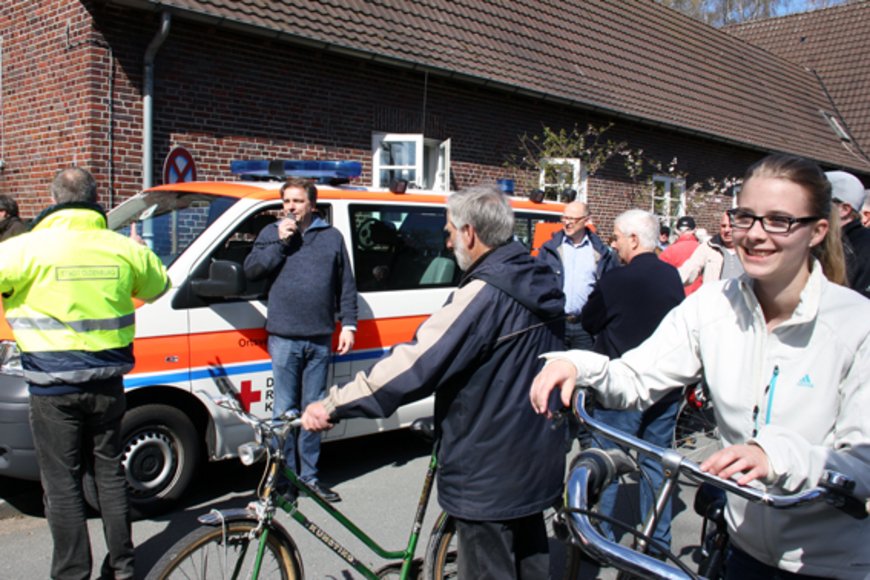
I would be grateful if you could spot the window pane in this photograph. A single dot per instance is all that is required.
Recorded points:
(400, 248)
(170, 221)
(398, 153)
(524, 226)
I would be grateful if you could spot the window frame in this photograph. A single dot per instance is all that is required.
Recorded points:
(669, 217)
(579, 177)
(431, 164)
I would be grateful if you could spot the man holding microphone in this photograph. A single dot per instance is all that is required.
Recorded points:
(307, 263)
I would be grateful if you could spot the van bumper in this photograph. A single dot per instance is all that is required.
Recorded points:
(17, 454)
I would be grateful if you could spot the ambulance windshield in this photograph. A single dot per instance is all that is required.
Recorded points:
(168, 222)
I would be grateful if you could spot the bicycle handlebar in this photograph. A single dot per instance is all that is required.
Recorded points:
(670, 459)
(594, 469)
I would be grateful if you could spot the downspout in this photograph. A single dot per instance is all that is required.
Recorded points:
(148, 100)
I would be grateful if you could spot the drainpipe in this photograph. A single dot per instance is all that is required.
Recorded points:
(148, 98)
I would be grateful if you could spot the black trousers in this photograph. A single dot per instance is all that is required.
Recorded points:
(502, 550)
(69, 432)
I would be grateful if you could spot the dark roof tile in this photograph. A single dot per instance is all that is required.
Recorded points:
(633, 58)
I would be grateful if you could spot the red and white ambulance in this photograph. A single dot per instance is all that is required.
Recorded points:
(210, 325)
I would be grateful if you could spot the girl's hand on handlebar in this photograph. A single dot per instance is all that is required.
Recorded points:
(315, 418)
(750, 460)
(556, 373)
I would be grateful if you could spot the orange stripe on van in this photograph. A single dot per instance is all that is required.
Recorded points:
(180, 352)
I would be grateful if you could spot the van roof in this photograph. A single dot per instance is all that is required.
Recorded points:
(269, 190)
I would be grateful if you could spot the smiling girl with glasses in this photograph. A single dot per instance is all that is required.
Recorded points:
(785, 351)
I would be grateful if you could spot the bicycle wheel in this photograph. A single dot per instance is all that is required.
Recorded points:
(214, 552)
(695, 433)
(440, 560)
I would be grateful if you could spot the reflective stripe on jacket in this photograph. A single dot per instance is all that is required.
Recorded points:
(68, 287)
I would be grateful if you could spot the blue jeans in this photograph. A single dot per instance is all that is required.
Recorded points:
(576, 337)
(300, 367)
(72, 433)
(655, 425)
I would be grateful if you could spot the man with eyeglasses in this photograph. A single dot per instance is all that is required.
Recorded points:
(848, 193)
(579, 258)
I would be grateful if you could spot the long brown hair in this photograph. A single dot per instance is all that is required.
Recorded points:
(810, 176)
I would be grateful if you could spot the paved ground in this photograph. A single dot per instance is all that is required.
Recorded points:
(379, 478)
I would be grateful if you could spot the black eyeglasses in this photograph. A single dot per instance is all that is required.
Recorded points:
(772, 224)
(573, 220)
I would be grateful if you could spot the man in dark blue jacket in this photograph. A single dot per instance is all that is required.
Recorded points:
(624, 309)
(579, 258)
(307, 263)
(499, 464)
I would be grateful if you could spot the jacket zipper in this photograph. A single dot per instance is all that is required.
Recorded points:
(769, 390)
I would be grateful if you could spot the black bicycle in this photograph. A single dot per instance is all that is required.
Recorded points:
(592, 470)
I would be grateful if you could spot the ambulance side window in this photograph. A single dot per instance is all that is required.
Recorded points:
(235, 247)
(526, 226)
(400, 248)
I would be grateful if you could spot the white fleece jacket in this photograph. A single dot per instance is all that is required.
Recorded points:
(809, 378)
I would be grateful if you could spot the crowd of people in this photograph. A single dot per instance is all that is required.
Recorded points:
(771, 314)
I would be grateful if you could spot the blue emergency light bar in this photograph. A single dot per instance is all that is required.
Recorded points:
(323, 171)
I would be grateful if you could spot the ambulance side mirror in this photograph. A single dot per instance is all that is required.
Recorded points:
(225, 278)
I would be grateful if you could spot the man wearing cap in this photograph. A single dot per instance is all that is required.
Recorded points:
(848, 193)
(714, 259)
(579, 258)
(682, 249)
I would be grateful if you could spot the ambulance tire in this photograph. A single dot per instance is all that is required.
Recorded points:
(160, 453)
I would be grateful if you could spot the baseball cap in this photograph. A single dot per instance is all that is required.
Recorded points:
(846, 188)
(686, 223)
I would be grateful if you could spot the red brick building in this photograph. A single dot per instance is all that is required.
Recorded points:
(438, 90)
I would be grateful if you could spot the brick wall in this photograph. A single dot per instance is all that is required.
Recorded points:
(77, 97)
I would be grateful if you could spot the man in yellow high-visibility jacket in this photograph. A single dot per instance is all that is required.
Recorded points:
(68, 287)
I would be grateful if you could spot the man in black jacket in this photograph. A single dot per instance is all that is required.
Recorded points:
(624, 309)
(307, 263)
(499, 464)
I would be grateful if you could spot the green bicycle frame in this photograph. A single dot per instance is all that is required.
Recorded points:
(406, 556)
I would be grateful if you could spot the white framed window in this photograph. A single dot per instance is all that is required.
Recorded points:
(424, 163)
(559, 174)
(668, 199)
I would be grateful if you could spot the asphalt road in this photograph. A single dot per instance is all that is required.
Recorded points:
(379, 478)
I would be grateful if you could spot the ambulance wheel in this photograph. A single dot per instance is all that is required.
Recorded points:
(160, 450)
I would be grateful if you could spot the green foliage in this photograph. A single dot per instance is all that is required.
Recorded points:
(551, 151)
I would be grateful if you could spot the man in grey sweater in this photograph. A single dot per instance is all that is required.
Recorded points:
(307, 263)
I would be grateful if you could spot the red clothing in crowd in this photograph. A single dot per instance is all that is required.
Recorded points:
(679, 252)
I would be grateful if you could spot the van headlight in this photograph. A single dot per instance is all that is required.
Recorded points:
(10, 358)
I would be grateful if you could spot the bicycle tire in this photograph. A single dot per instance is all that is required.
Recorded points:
(204, 554)
(440, 562)
(695, 435)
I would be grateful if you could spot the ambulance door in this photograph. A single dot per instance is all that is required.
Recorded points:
(227, 333)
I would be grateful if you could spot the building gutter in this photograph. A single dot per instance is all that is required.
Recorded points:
(148, 100)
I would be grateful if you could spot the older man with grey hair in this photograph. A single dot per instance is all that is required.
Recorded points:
(499, 465)
(623, 310)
